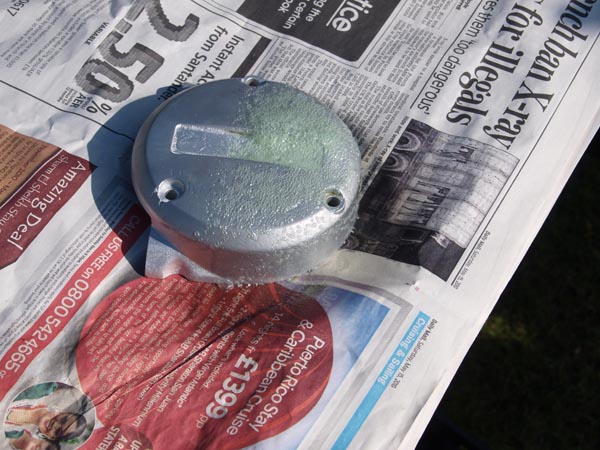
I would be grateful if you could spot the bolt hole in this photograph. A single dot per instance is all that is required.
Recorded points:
(253, 81)
(169, 190)
(334, 200)
(171, 194)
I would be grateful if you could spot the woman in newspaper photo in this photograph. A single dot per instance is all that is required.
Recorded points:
(48, 416)
(51, 424)
(24, 440)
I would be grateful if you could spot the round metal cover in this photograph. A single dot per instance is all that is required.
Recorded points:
(253, 180)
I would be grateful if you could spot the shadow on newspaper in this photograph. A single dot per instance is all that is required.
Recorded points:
(112, 188)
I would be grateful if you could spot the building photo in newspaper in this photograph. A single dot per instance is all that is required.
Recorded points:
(429, 198)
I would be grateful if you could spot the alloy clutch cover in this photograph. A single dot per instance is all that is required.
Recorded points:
(246, 181)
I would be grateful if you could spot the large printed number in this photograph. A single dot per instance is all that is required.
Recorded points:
(149, 58)
(99, 77)
(228, 396)
(116, 88)
(161, 23)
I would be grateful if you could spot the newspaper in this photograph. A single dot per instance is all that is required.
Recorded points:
(470, 116)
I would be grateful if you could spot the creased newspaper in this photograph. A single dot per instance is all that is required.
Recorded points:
(470, 116)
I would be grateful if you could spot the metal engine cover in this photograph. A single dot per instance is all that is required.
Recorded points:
(252, 180)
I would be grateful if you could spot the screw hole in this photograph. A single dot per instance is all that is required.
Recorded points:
(171, 194)
(253, 81)
(334, 200)
(169, 190)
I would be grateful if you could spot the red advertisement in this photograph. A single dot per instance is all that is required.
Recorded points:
(25, 214)
(71, 298)
(170, 360)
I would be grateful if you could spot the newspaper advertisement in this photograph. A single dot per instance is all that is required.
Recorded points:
(470, 116)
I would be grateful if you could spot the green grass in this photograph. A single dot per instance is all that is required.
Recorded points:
(532, 378)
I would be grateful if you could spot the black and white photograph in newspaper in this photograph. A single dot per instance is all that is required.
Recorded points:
(429, 198)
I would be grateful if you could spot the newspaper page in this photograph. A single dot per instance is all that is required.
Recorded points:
(470, 116)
